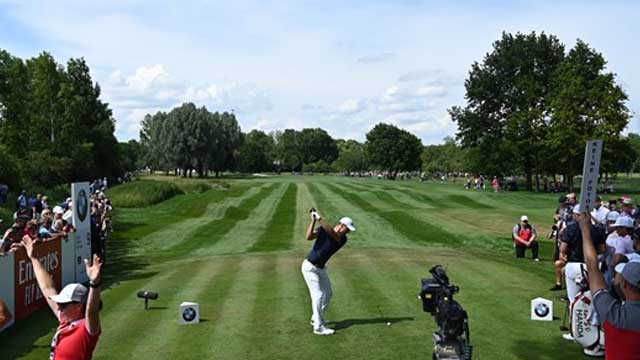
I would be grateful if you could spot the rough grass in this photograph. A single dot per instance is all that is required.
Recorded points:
(142, 193)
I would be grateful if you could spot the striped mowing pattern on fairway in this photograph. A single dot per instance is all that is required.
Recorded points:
(211, 233)
(279, 235)
(410, 227)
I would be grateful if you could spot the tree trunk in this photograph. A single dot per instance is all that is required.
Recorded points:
(537, 182)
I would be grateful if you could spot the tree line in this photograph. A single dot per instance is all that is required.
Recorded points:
(53, 126)
(531, 106)
(191, 139)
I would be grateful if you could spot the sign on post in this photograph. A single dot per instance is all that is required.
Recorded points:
(590, 173)
(82, 223)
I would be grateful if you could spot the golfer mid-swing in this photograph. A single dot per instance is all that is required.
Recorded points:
(328, 240)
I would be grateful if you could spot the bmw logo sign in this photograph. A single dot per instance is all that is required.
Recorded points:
(542, 310)
(189, 314)
(82, 206)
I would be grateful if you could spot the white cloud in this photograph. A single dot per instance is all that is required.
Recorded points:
(352, 106)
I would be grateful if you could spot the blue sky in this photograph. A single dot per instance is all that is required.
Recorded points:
(340, 65)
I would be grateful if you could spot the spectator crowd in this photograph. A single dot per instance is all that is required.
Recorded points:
(39, 220)
(590, 253)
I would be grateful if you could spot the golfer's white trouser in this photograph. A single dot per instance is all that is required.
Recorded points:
(573, 276)
(319, 285)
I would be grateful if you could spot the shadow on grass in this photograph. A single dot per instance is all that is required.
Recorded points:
(343, 324)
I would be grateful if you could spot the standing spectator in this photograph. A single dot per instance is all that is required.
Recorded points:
(599, 212)
(560, 219)
(627, 207)
(618, 243)
(612, 216)
(620, 319)
(38, 207)
(4, 192)
(13, 236)
(45, 202)
(495, 183)
(524, 236)
(22, 202)
(32, 206)
(75, 307)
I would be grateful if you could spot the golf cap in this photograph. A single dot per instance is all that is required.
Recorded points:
(346, 221)
(58, 210)
(630, 271)
(627, 201)
(576, 209)
(612, 215)
(524, 218)
(72, 293)
(624, 221)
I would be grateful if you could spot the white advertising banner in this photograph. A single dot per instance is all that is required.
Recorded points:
(82, 222)
(7, 285)
(68, 249)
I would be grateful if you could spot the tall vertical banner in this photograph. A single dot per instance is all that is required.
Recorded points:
(82, 223)
(590, 173)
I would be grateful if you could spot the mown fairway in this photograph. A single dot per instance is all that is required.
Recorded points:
(237, 251)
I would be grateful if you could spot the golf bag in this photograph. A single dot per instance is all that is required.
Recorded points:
(585, 327)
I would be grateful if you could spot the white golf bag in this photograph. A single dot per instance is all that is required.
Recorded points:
(585, 325)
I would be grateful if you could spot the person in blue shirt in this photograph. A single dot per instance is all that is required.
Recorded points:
(328, 240)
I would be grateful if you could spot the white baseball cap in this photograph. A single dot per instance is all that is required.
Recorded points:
(632, 273)
(624, 221)
(627, 201)
(72, 293)
(576, 209)
(612, 215)
(58, 210)
(524, 218)
(346, 221)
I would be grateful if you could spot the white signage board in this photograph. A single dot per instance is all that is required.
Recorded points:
(189, 313)
(541, 309)
(590, 173)
(68, 249)
(80, 196)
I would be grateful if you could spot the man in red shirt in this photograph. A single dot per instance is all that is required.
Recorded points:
(524, 236)
(620, 319)
(76, 307)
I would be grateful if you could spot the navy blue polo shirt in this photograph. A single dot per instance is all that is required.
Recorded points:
(324, 247)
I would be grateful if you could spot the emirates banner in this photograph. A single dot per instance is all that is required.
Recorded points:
(82, 223)
(28, 297)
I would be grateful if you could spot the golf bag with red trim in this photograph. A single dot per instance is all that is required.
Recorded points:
(585, 327)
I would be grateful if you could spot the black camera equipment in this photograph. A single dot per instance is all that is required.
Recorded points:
(147, 295)
(451, 340)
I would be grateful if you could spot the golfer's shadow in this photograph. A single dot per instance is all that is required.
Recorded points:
(343, 324)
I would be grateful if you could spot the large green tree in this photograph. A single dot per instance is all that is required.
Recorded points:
(504, 119)
(585, 103)
(351, 157)
(392, 149)
(257, 152)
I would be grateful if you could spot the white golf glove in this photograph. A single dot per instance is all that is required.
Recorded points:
(315, 215)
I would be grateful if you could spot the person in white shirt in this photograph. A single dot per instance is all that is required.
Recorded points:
(619, 243)
(599, 212)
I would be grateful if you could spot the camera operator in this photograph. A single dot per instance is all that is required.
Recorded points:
(621, 320)
(571, 254)
(328, 240)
